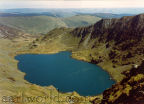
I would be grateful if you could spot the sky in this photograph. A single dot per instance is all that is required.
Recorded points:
(9, 4)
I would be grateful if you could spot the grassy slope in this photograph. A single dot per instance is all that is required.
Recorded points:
(43, 24)
(33, 24)
(80, 20)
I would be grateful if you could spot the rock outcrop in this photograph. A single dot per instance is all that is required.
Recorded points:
(129, 91)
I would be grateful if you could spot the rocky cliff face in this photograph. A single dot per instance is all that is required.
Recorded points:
(129, 91)
(122, 38)
(123, 28)
(117, 30)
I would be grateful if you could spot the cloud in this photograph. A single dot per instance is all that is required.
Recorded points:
(72, 4)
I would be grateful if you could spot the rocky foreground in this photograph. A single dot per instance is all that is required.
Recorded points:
(114, 44)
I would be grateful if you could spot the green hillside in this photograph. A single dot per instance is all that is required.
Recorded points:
(80, 20)
(43, 24)
(33, 24)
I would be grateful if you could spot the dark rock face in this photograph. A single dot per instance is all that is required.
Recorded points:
(124, 34)
(129, 91)
(119, 30)
(96, 61)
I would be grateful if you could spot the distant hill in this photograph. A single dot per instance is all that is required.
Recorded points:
(80, 20)
(39, 12)
(65, 14)
(12, 33)
(43, 24)
(53, 14)
(72, 12)
(33, 24)
(110, 15)
(28, 14)
(107, 15)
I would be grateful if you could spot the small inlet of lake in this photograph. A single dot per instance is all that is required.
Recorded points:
(64, 73)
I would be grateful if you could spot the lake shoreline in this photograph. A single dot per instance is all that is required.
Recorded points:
(70, 56)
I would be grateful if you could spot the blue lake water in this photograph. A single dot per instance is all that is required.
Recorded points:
(64, 72)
